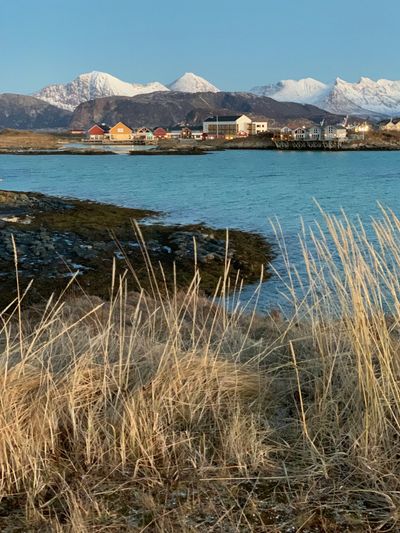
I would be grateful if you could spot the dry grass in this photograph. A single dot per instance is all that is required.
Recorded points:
(20, 139)
(172, 414)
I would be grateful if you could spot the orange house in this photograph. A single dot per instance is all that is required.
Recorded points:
(120, 132)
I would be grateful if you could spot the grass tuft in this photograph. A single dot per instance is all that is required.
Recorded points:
(168, 412)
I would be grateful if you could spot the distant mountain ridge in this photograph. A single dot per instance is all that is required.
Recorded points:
(365, 98)
(26, 112)
(171, 108)
(92, 85)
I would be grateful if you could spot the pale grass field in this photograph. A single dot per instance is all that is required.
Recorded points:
(167, 414)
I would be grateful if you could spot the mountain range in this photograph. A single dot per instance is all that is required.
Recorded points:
(365, 98)
(98, 96)
(95, 84)
(169, 108)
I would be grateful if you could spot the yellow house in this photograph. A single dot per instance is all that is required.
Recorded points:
(120, 132)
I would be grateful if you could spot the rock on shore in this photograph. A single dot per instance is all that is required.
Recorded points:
(57, 238)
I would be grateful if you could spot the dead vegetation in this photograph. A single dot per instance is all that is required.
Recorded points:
(154, 413)
(31, 140)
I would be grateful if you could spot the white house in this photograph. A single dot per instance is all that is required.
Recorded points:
(197, 133)
(259, 127)
(335, 133)
(227, 126)
(144, 134)
(285, 133)
(299, 134)
(314, 133)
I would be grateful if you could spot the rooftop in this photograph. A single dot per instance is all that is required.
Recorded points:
(226, 118)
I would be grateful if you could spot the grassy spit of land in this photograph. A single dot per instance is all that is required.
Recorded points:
(166, 412)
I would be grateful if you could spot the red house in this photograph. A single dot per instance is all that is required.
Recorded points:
(160, 133)
(97, 132)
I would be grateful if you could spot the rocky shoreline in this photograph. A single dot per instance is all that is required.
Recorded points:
(57, 238)
(35, 143)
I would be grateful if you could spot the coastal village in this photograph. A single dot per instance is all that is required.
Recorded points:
(232, 127)
(223, 127)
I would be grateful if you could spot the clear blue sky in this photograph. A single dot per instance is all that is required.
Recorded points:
(235, 44)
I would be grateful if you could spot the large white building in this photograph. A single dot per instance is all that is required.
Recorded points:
(232, 126)
(227, 126)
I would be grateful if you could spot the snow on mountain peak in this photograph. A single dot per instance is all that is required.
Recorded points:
(307, 90)
(364, 98)
(96, 84)
(191, 83)
(91, 85)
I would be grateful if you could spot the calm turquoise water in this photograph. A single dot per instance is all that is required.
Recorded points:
(238, 189)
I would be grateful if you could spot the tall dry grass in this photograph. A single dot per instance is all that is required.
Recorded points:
(175, 413)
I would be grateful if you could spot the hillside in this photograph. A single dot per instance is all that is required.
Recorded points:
(26, 112)
(169, 108)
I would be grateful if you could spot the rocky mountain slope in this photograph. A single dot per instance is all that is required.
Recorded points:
(170, 108)
(26, 112)
(366, 98)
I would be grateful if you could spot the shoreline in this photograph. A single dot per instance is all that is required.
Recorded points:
(35, 143)
(194, 151)
(200, 152)
(57, 238)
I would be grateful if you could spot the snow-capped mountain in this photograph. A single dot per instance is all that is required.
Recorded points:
(306, 91)
(380, 97)
(191, 83)
(366, 97)
(93, 85)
